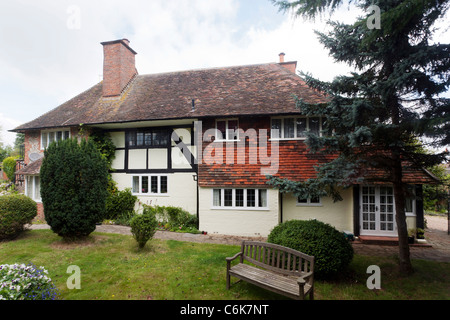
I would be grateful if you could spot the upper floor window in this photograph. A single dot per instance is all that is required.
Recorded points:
(148, 137)
(48, 137)
(295, 127)
(227, 129)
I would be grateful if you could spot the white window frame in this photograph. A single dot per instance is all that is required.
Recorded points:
(308, 203)
(281, 133)
(233, 206)
(227, 138)
(33, 187)
(150, 193)
(55, 132)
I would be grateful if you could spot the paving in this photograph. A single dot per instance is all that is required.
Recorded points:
(437, 248)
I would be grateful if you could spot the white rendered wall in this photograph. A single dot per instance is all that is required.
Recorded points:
(338, 214)
(251, 223)
(182, 191)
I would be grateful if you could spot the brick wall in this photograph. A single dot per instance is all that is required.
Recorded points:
(118, 67)
(32, 144)
(40, 212)
(294, 161)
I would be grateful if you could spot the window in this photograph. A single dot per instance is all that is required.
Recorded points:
(240, 198)
(313, 201)
(295, 128)
(33, 188)
(149, 185)
(227, 130)
(410, 201)
(48, 137)
(217, 197)
(149, 138)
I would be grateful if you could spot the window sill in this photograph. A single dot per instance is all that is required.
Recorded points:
(225, 140)
(287, 139)
(309, 205)
(151, 194)
(240, 208)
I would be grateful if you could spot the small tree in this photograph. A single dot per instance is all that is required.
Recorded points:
(74, 179)
(143, 226)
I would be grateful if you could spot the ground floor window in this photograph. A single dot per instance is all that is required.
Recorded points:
(149, 184)
(33, 187)
(313, 201)
(235, 198)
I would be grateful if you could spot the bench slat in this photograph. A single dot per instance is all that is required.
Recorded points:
(273, 267)
(286, 285)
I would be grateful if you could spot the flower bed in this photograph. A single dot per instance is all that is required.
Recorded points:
(25, 282)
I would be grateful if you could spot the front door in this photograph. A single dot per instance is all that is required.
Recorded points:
(377, 211)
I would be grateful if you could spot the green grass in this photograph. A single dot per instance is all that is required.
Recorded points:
(112, 267)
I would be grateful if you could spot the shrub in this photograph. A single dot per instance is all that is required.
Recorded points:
(16, 210)
(175, 218)
(143, 227)
(21, 282)
(9, 167)
(120, 203)
(332, 251)
(7, 188)
(74, 179)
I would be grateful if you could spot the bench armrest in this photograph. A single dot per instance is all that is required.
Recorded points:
(307, 277)
(233, 257)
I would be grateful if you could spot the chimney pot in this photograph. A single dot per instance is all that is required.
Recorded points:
(281, 55)
(118, 66)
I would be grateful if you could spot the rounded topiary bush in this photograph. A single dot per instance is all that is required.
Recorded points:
(143, 227)
(332, 251)
(16, 210)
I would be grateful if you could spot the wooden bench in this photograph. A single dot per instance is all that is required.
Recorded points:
(275, 268)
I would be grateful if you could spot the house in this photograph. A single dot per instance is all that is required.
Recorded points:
(205, 140)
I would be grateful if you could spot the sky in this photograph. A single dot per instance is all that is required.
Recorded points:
(50, 50)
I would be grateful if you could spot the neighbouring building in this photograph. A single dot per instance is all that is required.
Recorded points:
(205, 140)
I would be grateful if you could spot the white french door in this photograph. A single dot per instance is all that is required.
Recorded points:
(377, 213)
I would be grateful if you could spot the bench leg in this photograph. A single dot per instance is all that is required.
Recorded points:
(311, 293)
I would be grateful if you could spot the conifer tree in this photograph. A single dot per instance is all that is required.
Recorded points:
(74, 179)
(375, 114)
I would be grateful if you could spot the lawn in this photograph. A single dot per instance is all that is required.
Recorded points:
(113, 268)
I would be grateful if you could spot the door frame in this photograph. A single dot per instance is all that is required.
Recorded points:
(374, 208)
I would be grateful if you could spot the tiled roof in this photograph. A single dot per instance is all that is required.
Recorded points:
(295, 163)
(33, 168)
(229, 91)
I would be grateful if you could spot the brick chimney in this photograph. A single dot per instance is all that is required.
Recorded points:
(291, 65)
(118, 66)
